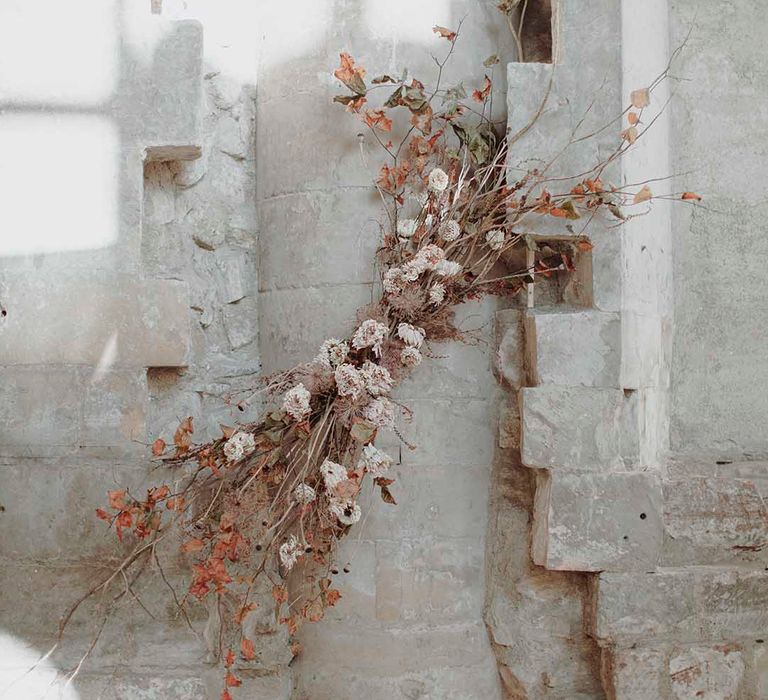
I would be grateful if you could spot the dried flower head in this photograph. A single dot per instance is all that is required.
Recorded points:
(449, 230)
(448, 268)
(410, 357)
(395, 280)
(438, 181)
(296, 402)
(349, 381)
(437, 293)
(406, 228)
(411, 335)
(380, 412)
(333, 474)
(238, 446)
(370, 334)
(304, 493)
(495, 239)
(346, 510)
(332, 353)
(377, 379)
(374, 461)
(290, 552)
(431, 255)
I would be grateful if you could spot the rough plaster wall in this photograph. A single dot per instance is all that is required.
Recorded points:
(721, 294)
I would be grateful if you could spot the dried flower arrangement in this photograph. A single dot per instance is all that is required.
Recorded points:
(276, 496)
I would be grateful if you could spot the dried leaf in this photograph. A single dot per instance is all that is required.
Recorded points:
(643, 195)
(116, 499)
(640, 98)
(377, 119)
(691, 196)
(632, 118)
(158, 447)
(226, 695)
(101, 513)
(492, 60)
(444, 33)
(227, 431)
(362, 430)
(280, 594)
(247, 649)
(629, 135)
(387, 496)
(231, 681)
(383, 79)
(193, 545)
(584, 245)
(350, 74)
(332, 596)
(482, 94)
(353, 103)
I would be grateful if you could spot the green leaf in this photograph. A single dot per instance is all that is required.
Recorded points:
(492, 60)
(571, 211)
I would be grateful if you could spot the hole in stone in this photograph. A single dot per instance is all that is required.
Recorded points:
(723, 461)
(626, 537)
(533, 19)
(628, 393)
(3, 313)
(759, 641)
(643, 516)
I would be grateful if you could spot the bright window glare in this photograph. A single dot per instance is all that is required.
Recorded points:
(42, 683)
(406, 20)
(58, 178)
(56, 51)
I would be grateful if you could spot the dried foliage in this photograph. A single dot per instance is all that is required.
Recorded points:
(274, 498)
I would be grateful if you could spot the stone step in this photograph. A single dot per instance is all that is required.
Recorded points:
(690, 604)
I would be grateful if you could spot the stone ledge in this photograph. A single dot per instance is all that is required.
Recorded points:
(597, 522)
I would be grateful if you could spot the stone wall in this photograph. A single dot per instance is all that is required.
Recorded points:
(585, 514)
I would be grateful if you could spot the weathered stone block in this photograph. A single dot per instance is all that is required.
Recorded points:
(631, 607)
(641, 350)
(422, 580)
(597, 522)
(637, 673)
(579, 428)
(715, 521)
(574, 348)
(122, 321)
(707, 672)
(733, 604)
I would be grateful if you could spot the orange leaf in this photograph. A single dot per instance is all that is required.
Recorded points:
(350, 74)
(377, 119)
(584, 245)
(691, 196)
(225, 695)
(640, 98)
(101, 513)
(444, 33)
(158, 447)
(482, 95)
(227, 431)
(643, 195)
(229, 659)
(630, 135)
(247, 649)
(116, 499)
(332, 596)
(280, 594)
(231, 680)
(193, 545)
(632, 118)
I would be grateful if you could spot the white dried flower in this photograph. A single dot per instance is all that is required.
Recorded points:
(290, 552)
(380, 412)
(349, 381)
(304, 493)
(438, 181)
(238, 446)
(346, 510)
(437, 293)
(428, 220)
(370, 334)
(449, 230)
(332, 352)
(410, 357)
(395, 280)
(406, 228)
(448, 268)
(495, 239)
(414, 267)
(333, 474)
(411, 335)
(296, 402)
(374, 461)
(377, 379)
(430, 254)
